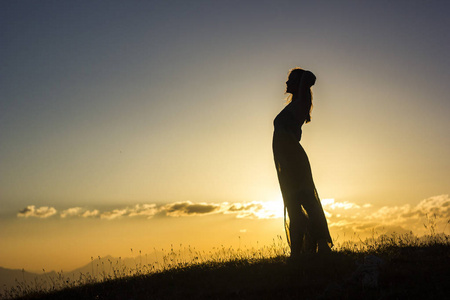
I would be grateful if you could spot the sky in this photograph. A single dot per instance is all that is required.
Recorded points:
(142, 124)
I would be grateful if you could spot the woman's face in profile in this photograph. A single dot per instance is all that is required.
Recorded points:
(292, 84)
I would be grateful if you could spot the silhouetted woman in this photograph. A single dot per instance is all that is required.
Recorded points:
(306, 225)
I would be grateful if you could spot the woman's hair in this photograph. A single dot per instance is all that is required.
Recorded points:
(295, 75)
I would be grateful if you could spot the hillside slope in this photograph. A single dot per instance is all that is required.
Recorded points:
(399, 273)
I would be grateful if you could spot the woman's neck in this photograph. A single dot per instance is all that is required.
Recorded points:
(295, 97)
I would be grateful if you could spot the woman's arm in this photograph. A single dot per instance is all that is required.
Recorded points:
(301, 101)
(306, 82)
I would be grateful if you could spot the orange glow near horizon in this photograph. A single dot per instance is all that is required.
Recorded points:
(73, 235)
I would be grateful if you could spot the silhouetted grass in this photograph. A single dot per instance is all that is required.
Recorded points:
(386, 267)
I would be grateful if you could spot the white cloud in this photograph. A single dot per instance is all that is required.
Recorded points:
(114, 214)
(439, 205)
(346, 216)
(332, 204)
(90, 213)
(70, 212)
(78, 212)
(41, 212)
(147, 210)
(351, 217)
(256, 210)
(139, 210)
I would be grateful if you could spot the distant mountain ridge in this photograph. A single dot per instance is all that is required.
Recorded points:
(13, 277)
(98, 267)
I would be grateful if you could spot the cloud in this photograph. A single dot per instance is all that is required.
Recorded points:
(90, 213)
(247, 210)
(114, 214)
(433, 211)
(41, 212)
(177, 209)
(437, 207)
(74, 211)
(256, 210)
(188, 208)
(341, 216)
(139, 210)
(331, 204)
(78, 212)
(148, 210)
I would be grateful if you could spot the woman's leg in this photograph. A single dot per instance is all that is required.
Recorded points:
(298, 226)
(317, 220)
(310, 201)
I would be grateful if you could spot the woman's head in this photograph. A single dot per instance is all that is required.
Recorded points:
(295, 77)
(293, 82)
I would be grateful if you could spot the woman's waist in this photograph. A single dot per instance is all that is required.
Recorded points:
(286, 132)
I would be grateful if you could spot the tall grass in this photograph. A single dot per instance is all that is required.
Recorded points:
(107, 269)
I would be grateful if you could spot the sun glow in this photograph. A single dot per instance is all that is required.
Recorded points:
(274, 208)
(327, 201)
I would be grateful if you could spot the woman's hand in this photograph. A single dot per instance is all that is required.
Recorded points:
(306, 82)
(308, 78)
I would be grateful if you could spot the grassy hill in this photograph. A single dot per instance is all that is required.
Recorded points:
(388, 268)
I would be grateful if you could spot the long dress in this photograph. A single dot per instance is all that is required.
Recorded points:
(306, 223)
